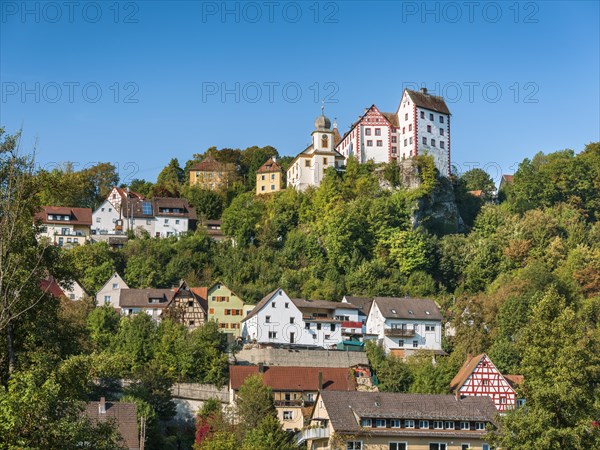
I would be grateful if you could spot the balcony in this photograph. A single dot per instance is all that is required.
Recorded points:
(312, 434)
(297, 402)
(399, 332)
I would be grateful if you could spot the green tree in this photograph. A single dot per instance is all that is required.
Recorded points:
(478, 180)
(410, 251)
(268, 435)
(169, 180)
(141, 186)
(254, 402)
(103, 324)
(241, 218)
(208, 204)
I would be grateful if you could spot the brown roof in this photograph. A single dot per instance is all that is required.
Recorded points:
(363, 303)
(392, 118)
(465, 371)
(51, 287)
(134, 207)
(201, 292)
(124, 193)
(344, 407)
(337, 138)
(508, 178)
(77, 216)
(281, 378)
(140, 298)
(476, 193)
(321, 304)
(430, 102)
(260, 304)
(210, 164)
(514, 380)
(408, 308)
(124, 414)
(270, 165)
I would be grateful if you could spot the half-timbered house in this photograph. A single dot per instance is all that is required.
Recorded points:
(187, 307)
(479, 377)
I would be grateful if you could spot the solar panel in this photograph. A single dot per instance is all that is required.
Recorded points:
(147, 208)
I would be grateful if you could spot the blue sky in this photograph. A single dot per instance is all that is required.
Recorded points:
(138, 83)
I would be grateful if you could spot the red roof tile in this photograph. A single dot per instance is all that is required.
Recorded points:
(51, 287)
(269, 166)
(281, 378)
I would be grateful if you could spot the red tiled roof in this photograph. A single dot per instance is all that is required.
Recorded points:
(77, 216)
(281, 378)
(51, 287)
(269, 166)
(201, 292)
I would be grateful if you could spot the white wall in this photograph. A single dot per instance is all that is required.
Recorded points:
(170, 226)
(104, 218)
(111, 291)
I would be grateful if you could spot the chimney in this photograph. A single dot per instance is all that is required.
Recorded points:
(320, 381)
(102, 406)
(274, 158)
(423, 90)
(261, 368)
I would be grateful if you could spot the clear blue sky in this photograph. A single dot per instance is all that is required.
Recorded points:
(518, 79)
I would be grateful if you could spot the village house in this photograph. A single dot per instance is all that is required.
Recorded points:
(187, 307)
(211, 174)
(65, 226)
(295, 389)
(149, 301)
(269, 177)
(123, 414)
(308, 168)
(479, 377)
(226, 308)
(110, 293)
(386, 420)
(404, 325)
(71, 290)
(279, 320)
(160, 217)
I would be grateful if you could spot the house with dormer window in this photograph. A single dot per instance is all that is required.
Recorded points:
(404, 325)
(65, 226)
(280, 320)
(394, 421)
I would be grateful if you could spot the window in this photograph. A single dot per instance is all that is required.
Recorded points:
(485, 447)
(409, 424)
(410, 127)
(287, 415)
(272, 187)
(380, 423)
(354, 445)
(227, 312)
(307, 162)
(369, 143)
(192, 323)
(272, 334)
(425, 140)
(324, 161)
(211, 311)
(318, 326)
(262, 177)
(441, 131)
(449, 425)
(433, 142)
(333, 327)
(367, 132)
(148, 222)
(406, 116)
(147, 208)
(273, 305)
(429, 328)
(479, 426)
(327, 336)
(394, 149)
(397, 446)
(286, 305)
(291, 320)
(503, 400)
(395, 423)
(437, 446)
(465, 446)
(190, 303)
(415, 344)
(465, 426)
(267, 319)
(422, 114)
(442, 144)
(102, 209)
(403, 130)
(423, 423)
(166, 221)
(441, 119)
(115, 285)
(379, 143)
(262, 188)
(430, 116)
(98, 220)
(177, 222)
(365, 423)
(106, 299)
(377, 131)
(394, 139)
(485, 382)
(307, 326)
(410, 140)
(405, 142)
(429, 128)
(438, 425)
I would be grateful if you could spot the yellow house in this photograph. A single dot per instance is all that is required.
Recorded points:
(269, 177)
(226, 308)
(211, 174)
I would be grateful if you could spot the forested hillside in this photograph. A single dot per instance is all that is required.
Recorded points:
(521, 281)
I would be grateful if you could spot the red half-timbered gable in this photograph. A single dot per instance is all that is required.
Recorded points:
(478, 377)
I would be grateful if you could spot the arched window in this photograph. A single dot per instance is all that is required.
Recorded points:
(324, 141)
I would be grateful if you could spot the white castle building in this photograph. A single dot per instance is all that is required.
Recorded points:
(421, 125)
